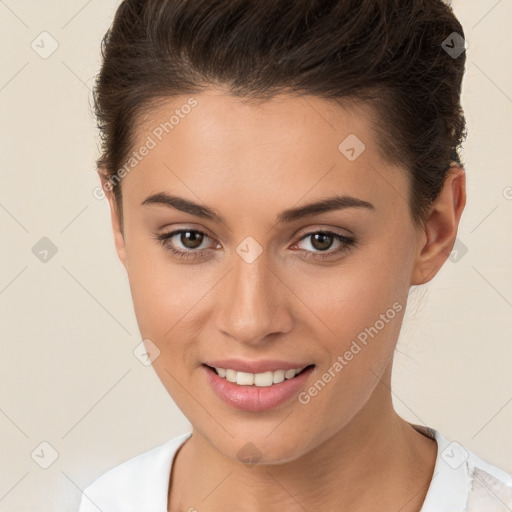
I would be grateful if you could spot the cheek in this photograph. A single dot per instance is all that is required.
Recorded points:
(343, 301)
(361, 306)
(164, 292)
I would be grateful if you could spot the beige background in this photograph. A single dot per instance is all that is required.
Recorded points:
(68, 374)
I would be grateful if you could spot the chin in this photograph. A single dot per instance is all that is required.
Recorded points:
(260, 448)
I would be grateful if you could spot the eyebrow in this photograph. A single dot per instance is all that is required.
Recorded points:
(325, 205)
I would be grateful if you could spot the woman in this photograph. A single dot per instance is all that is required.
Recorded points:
(279, 174)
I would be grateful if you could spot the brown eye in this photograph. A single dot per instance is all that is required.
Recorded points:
(191, 239)
(186, 243)
(321, 241)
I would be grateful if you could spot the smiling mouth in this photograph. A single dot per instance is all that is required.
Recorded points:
(264, 379)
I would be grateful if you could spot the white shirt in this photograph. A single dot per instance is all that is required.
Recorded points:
(461, 482)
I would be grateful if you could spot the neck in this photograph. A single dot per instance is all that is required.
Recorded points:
(381, 453)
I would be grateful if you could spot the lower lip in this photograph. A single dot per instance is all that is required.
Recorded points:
(256, 398)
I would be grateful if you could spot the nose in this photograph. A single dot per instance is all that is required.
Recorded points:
(254, 302)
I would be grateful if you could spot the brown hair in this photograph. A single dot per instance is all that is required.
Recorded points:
(388, 52)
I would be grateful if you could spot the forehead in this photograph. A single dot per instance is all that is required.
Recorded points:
(215, 115)
(215, 142)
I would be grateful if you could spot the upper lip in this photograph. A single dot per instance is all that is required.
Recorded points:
(265, 365)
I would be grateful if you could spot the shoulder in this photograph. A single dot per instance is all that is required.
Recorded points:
(491, 487)
(139, 483)
(463, 482)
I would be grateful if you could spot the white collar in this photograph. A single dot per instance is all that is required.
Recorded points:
(142, 483)
(451, 480)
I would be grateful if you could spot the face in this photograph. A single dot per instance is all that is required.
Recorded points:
(250, 279)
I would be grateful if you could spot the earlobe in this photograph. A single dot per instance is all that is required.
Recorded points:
(114, 217)
(440, 230)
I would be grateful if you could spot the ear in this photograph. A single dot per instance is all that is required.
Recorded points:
(438, 235)
(115, 217)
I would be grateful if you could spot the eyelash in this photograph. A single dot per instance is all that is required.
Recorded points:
(347, 244)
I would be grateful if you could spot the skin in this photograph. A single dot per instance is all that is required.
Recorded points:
(249, 162)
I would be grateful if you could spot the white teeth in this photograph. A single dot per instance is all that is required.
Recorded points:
(278, 376)
(231, 375)
(288, 374)
(264, 379)
(244, 379)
